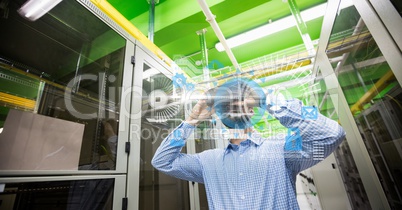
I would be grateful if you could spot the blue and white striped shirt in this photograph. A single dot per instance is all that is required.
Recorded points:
(259, 173)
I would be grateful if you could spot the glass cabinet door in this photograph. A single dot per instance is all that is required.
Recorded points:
(161, 112)
(60, 87)
(204, 142)
(82, 192)
(373, 95)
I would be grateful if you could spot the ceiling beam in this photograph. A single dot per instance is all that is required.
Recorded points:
(168, 13)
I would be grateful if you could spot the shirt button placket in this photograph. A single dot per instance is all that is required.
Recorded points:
(242, 168)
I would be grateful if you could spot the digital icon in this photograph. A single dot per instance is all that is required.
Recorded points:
(293, 140)
(309, 113)
(177, 142)
(179, 80)
(235, 89)
(190, 86)
(213, 63)
(269, 117)
(177, 138)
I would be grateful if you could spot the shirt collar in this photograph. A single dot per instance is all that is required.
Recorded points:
(253, 137)
(256, 138)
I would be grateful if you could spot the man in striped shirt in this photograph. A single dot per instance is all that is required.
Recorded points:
(252, 172)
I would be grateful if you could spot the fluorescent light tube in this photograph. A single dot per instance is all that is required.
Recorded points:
(279, 25)
(34, 9)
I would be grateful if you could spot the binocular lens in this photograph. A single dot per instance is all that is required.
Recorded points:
(229, 101)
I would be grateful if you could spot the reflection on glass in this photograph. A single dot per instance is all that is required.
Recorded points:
(60, 85)
(60, 195)
(374, 97)
(202, 144)
(161, 113)
(347, 166)
(351, 177)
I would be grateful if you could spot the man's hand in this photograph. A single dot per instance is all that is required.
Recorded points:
(109, 132)
(249, 104)
(200, 112)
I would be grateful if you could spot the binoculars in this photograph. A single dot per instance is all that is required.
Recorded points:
(235, 101)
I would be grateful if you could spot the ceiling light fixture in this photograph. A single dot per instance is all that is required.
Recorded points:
(34, 9)
(279, 25)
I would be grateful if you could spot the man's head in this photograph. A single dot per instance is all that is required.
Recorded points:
(235, 100)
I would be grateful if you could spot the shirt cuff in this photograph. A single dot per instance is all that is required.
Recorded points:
(180, 134)
(184, 124)
(185, 130)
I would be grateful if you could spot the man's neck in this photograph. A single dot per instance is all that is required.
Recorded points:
(237, 141)
(243, 136)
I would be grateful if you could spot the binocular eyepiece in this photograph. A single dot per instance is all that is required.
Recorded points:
(235, 101)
